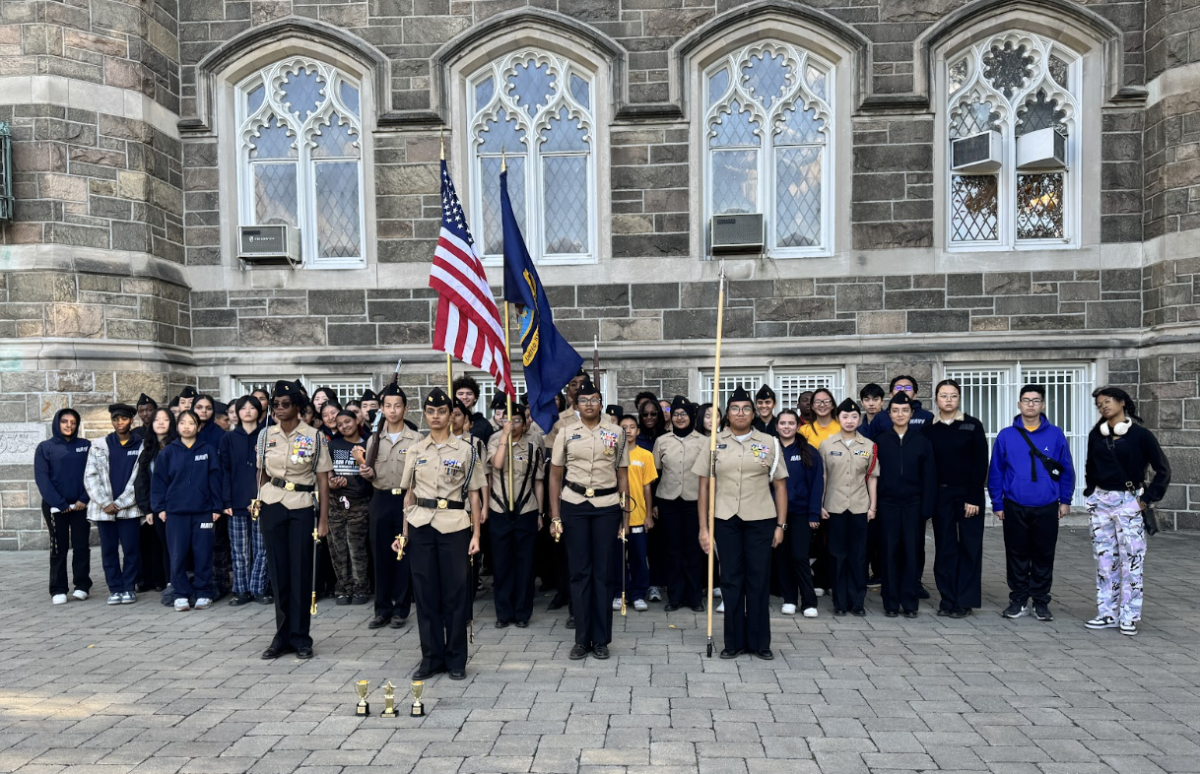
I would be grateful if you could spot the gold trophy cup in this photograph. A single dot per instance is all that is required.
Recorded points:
(389, 700)
(363, 709)
(418, 709)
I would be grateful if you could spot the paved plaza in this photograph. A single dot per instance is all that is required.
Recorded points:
(90, 689)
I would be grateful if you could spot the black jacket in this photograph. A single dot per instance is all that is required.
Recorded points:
(1116, 459)
(960, 452)
(907, 472)
(239, 469)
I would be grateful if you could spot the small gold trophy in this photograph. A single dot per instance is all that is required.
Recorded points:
(418, 709)
(389, 701)
(363, 710)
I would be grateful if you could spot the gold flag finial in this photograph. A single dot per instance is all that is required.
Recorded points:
(503, 160)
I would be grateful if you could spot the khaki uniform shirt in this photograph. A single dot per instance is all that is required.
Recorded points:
(744, 475)
(389, 461)
(439, 473)
(519, 459)
(290, 456)
(846, 471)
(589, 457)
(675, 457)
(566, 419)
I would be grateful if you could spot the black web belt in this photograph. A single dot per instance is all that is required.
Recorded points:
(588, 491)
(441, 504)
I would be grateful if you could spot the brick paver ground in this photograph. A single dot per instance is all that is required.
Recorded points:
(90, 689)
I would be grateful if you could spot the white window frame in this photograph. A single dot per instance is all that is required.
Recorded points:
(798, 92)
(832, 378)
(1069, 100)
(488, 389)
(306, 199)
(1076, 379)
(533, 229)
(348, 387)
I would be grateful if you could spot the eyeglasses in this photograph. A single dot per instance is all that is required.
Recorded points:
(822, 403)
(904, 387)
(741, 409)
(589, 401)
(1031, 401)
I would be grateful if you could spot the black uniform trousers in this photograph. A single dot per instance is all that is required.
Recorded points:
(589, 534)
(848, 559)
(958, 551)
(679, 523)
(794, 572)
(393, 580)
(1030, 537)
(745, 550)
(288, 537)
(903, 532)
(512, 561)
(155, 571)
(874, 552)
(441, 585)
(69, 530)
(818, 551)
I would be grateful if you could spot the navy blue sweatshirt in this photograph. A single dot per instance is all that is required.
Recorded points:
(58, 465)
(211, 434)
(121, 464)
(186, 481)
(805, 485)
(921, 419)
(907, 471)
(239, 469)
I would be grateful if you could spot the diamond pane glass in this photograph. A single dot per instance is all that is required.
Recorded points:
(484, 91)
(349, 95)
(815, 80)
(1039, 206)
(974, 208)
(566, 201)
(958, 75)
(493, 229)
(972, 118)
(303, 92)
(274, 194)
(254, 99)
(581, 91)
(799, 127)
(1059, 71)
(1008, 68)
(338, 234)
(500, 134)
(735, 181)
(798, 197)
(273, 141)
(733, 129)
(335, 139)
(532, 85)
(564, 134)
(718, 82)
(1040, 113)
(766, 75)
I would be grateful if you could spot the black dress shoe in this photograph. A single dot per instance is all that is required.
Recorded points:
(240, 599)
(729, 653)
(839, 611)
(556, 603)
(910, 613)
(923, 593)
(398, 622)
(501, 624)
(944, 612)
(522, 624)
(671, 608)
(858, 611)
(266, 599)
(457, 674)
(570, 622)
(960, 612)
(578, 652)
(699, 608)
(600, 652)
(304, 653)
(891, 613)
(766, 654)
(423, 672)
(275, 651)
(360, 599)
(340, 601)
(379, 621)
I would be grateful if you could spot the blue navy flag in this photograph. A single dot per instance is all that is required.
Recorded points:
(549, 361)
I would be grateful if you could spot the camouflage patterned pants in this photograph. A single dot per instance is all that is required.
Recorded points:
(1119, 543)
(348, 547)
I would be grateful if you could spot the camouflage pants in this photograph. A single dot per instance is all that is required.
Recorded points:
(348, 547)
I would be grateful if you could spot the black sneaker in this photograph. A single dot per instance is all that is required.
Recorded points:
(1015, 610)
(341, 600)
(1042, 613)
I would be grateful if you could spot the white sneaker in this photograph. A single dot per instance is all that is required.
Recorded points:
(721, 607)
(717, 592)
(203, 603)
(654, 594)
(810, 612)
(114, 599)
(819, 592)
(616, 603)
(128, 598)
(640, 605)
(79, 594)
(182, 605)
(1129, 629)
(1102, 622)
(788, 609)
(58, 599)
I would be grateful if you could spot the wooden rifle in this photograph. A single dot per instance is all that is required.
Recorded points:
(372, 450)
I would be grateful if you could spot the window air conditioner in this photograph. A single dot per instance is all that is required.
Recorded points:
(275, 245)
(737, 233)
(1043, 149)
(976, 153)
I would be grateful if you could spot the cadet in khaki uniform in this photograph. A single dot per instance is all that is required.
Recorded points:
(751, 518)
(443, 477)
(851, 475)
(393, 579)
(675, 455)
(513, 530)
(294, 464)
(588, 484)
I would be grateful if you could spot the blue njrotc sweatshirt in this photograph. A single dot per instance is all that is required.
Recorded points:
(58, 466)
(239, 469)
(186, 481)
(805, 485)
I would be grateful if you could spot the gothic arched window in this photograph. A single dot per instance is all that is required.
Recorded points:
(300, 157)
(768, 120)
(537, 110)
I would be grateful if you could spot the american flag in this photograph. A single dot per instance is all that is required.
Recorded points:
(468, 322)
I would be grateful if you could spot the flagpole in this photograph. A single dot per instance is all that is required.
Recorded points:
(449, 363)
(507, 395)
(712, 453)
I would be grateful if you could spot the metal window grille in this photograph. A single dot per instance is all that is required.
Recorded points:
(6, 186)
(347, 388)
(788, 383)
(487, 390)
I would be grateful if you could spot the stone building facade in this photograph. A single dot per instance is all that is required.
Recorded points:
(146, 131)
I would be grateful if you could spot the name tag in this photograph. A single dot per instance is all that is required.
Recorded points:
(967, 427)
(722, 445)
(421, 461)
(206, 525)
(200, 457)
(835, 454)
(271, 444)
(575, 437)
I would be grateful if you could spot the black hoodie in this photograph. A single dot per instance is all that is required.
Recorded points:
(59, 463)
(907, 472)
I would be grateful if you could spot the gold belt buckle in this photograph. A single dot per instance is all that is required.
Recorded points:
(443, 503)
(397, 491)
(589, 492)
(289, 486)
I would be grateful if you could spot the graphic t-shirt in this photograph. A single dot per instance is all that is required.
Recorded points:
(344, 464)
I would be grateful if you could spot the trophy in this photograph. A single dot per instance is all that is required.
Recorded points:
(389, 700)
(363, 709)
(418, 709)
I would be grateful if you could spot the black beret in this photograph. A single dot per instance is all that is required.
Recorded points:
(613, 410)
(680, 402)
(121, 410)
(499, 401)
(437, 398)
(369, 394)
(220, 408)
(587, 388)
(740, 394)
(284, 387)
(900, 399)
(581, 372)
(392, 389)
(847, 406)
(188, 392)
(764, 393)
(459, 405)
(299, 385)
(146, 400)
